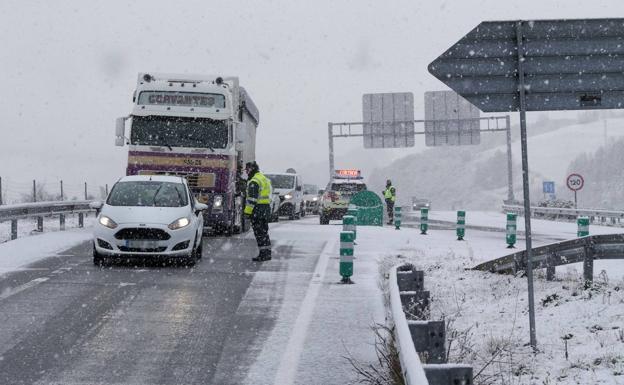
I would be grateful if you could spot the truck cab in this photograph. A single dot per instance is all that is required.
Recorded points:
(202, 128)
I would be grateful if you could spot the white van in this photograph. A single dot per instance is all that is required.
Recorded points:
(289, 186)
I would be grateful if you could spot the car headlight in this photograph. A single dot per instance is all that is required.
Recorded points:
(179, 223)
(288, 196)
(107, 222)
(217, 202)
(314, 199)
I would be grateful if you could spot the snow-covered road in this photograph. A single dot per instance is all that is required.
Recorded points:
(231, 321)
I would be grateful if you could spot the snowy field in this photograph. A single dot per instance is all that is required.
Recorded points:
(552, 161)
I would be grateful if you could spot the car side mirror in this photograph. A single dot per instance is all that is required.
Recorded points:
(200, 207)
(120, 131)
(97, 205)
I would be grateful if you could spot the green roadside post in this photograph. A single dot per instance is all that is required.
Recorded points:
(397, 217)
(583, 226)
(424, 220)
(349, 224)
(461, 225)
(511, 230)
(346, 256)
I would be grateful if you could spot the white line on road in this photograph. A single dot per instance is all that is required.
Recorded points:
(290, 359)
(9, 292)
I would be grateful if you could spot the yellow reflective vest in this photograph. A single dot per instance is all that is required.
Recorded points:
(390, 193)
(264, 192)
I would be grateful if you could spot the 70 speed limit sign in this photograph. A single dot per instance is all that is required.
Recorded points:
(575, 182)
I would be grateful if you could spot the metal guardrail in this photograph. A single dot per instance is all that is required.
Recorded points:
(565, 212)
(40, 210)
(413, 372)
(417, 337)
(585, 249)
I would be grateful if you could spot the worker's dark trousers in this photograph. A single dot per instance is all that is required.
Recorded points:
(390, 208)
(260, 226)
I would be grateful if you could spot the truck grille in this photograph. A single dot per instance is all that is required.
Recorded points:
(142, 234)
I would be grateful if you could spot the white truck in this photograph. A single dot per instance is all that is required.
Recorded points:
(200, 127)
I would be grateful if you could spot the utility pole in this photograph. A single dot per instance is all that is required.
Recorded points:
(62, 195)
(86, 191)
(34, 191)
(0, 191)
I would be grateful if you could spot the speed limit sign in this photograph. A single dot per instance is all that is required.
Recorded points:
(575, 182)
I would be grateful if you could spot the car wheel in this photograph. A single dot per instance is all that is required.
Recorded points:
(98, 259)
(291, 215)
(199, 250)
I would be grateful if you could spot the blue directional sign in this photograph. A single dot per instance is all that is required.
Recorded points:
(549, 187)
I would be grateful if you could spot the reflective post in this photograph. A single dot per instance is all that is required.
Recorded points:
(511, 230)
(424, 220)
(583, 226)
(349, 224)
(346, 255)
(397, 217)
(461, 225)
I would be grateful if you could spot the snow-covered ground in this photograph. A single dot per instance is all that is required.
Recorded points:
(18, 253)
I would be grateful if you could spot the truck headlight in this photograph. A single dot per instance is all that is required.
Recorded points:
(179, 223)
(107, 222)
(288, 196)
(314, 199)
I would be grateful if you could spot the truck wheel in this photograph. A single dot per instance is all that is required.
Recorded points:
(302, 211)
(323, 220)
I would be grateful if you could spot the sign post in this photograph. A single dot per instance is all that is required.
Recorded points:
(540, 65)
(575, 182)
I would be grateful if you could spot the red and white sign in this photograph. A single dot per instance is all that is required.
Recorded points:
(575, 182)
(348, 173)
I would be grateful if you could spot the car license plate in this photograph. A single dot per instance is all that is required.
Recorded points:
(141, 244)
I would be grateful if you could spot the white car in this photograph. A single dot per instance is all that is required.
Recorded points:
(289, 186)
(146, 216)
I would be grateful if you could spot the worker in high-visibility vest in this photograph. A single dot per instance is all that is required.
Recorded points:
(390, 197)
(258, 208)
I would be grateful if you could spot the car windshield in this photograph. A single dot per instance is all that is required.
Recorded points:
(348, 187)
(310, 189)
(148, 193)
(178, 132)
(282, 181)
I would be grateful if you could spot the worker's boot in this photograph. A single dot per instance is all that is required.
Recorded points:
(259, 258)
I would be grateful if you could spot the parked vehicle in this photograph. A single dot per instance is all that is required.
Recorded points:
(200, 127)
(311, 198)
(335, 199)
(146, 216)
(289, 186)
(419, 203)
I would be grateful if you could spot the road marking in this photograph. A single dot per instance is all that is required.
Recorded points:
(287, 369)
(9, 292)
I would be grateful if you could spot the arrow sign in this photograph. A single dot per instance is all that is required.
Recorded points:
(567, 65)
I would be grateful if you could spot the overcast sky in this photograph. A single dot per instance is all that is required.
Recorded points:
(68, 68)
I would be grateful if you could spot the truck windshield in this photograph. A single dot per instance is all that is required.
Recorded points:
(281, 181)
(179, 132)
(148, 193)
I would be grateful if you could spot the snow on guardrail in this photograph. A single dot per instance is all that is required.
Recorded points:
(413, 371)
